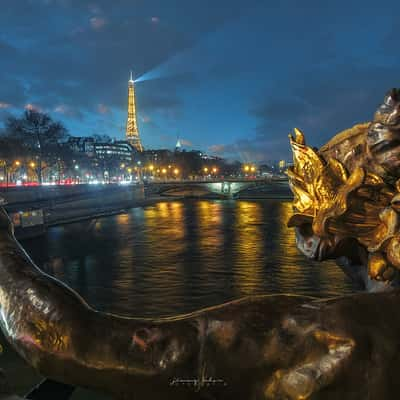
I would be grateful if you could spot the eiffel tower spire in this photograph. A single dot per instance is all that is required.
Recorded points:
(132, 132)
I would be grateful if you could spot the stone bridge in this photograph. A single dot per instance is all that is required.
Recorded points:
(217, 188)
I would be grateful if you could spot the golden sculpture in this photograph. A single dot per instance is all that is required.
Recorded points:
(347, 194)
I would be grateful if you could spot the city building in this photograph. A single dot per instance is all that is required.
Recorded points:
(132, 132)
(79, 144)
(120, 150)
(160, 156)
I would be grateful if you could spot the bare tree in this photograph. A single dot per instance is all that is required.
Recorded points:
(11, 150)
(40, 135)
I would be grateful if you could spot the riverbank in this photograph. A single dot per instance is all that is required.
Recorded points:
(69, 204)
(65, 217)
(34, 209)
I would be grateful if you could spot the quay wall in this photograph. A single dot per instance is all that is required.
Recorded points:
(63, 204)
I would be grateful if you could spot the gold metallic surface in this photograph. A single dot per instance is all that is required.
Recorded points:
(348, 192)
(132, 131)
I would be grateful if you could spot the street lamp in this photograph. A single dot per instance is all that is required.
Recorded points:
(164, 172)
(122, 166)
(214, 170)
(205, 169)
(246, 168)
(17, 163)
(253, 169)
(32, 165)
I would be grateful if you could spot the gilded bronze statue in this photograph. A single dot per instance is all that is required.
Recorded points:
(347, 197)
(257, 348)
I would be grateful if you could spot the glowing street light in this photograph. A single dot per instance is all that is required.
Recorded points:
(122, 166)
(205, 169)
(32, 165)
(151, 167)
(129, 170)
(214, 170)
(246, 168)
(253, 169)
(164, 171)
(17, 163)
(176, 171)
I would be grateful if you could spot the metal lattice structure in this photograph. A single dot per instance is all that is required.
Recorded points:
(132, 132)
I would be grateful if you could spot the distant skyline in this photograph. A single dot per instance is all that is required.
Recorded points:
(229, 77)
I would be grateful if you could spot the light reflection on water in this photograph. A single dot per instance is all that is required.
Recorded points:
(177, 256)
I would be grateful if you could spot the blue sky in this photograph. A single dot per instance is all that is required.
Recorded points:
(229, 77)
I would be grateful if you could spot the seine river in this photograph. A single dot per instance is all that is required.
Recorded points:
(178, 256)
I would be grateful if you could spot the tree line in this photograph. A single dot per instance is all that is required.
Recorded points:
(40, 145)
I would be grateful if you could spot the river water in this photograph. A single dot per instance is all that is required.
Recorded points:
(177, 256)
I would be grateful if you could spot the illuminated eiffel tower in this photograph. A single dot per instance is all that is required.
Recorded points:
(132, 132)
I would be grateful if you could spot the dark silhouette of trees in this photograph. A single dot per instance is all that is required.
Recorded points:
(10, 152)
(40, 136)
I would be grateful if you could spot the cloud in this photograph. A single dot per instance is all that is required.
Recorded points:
(94, 8)
(145, 119)
(185, 142)
(331, 101)
(68, 111)
(97, 23)
(321, 102)
(4, 105)
(7, 50)
(103, 109)
(32, 107)
(252, 150)
(155, 20)
(218, 148)
(62, 109)
(281, 108)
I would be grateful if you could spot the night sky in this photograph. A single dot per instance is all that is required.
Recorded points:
(230, 77)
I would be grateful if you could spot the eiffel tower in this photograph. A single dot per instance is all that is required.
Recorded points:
(132, 132)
